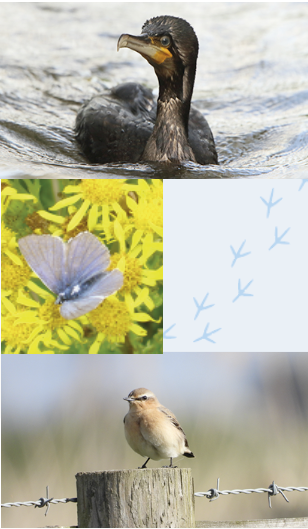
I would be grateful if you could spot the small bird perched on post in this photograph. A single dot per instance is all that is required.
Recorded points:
(152, 430)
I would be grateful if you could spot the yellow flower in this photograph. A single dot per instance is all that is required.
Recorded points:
(42, 324)
(113, 321)
(148, 211)
(13, 276)
(14, 337)
(8, 244)
(136, 274)
(98, 199)
(126, 214)
(9, 193)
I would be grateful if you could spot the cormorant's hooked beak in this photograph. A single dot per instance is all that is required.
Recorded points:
(146, 46)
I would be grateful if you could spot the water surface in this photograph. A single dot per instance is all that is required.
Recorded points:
(251, 85)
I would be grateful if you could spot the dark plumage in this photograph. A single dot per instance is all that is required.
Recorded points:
(127, 125)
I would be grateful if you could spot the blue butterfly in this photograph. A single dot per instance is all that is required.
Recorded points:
(75, 270)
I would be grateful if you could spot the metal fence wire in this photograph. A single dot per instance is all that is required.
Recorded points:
(211, 494)
(42, 502)
(272, 490)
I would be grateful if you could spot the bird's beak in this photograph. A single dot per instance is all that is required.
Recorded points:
(128, 399)
(145, 45)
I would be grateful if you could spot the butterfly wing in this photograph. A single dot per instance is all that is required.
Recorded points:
(60, 265)
(85, 257)
(106, 285)
(45, 255)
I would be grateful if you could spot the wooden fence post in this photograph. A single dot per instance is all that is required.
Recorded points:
(160, 497)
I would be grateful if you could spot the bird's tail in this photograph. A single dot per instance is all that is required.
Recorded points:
(188, 454)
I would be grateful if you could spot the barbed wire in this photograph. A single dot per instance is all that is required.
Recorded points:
(211, 494)
(272, 490)
(39, 503)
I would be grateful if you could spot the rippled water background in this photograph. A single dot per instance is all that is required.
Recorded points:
(251, 84)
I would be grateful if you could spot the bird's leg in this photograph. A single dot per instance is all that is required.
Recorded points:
(144, 464)
(169, 466)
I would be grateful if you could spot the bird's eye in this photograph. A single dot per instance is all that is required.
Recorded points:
(165, 41)
(144, 397)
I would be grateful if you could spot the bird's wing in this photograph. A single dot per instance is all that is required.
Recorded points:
(176, 424)
(201, 138)
(172, 418)
(115, 126)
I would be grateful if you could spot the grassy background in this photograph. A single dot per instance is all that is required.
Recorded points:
(245, 416)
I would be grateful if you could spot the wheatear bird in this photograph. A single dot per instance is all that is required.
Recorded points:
(153, 431)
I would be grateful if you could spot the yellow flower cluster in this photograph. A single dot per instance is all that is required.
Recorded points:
(127, 216)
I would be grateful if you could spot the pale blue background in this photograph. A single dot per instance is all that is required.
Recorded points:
(202, 218)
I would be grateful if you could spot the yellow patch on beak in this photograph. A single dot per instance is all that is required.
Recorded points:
(161, 55)
(149, 47)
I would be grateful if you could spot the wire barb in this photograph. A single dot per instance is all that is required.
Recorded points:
(215, 492)
(211, 494)
(42, 502)
(45, 501)
(272, 490)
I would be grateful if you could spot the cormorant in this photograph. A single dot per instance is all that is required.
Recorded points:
(126, 125)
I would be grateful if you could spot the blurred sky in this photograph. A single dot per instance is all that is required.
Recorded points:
(32, 386)
(245, 416)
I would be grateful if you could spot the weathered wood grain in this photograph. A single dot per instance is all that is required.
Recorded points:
(275, 522)
(162, 497)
